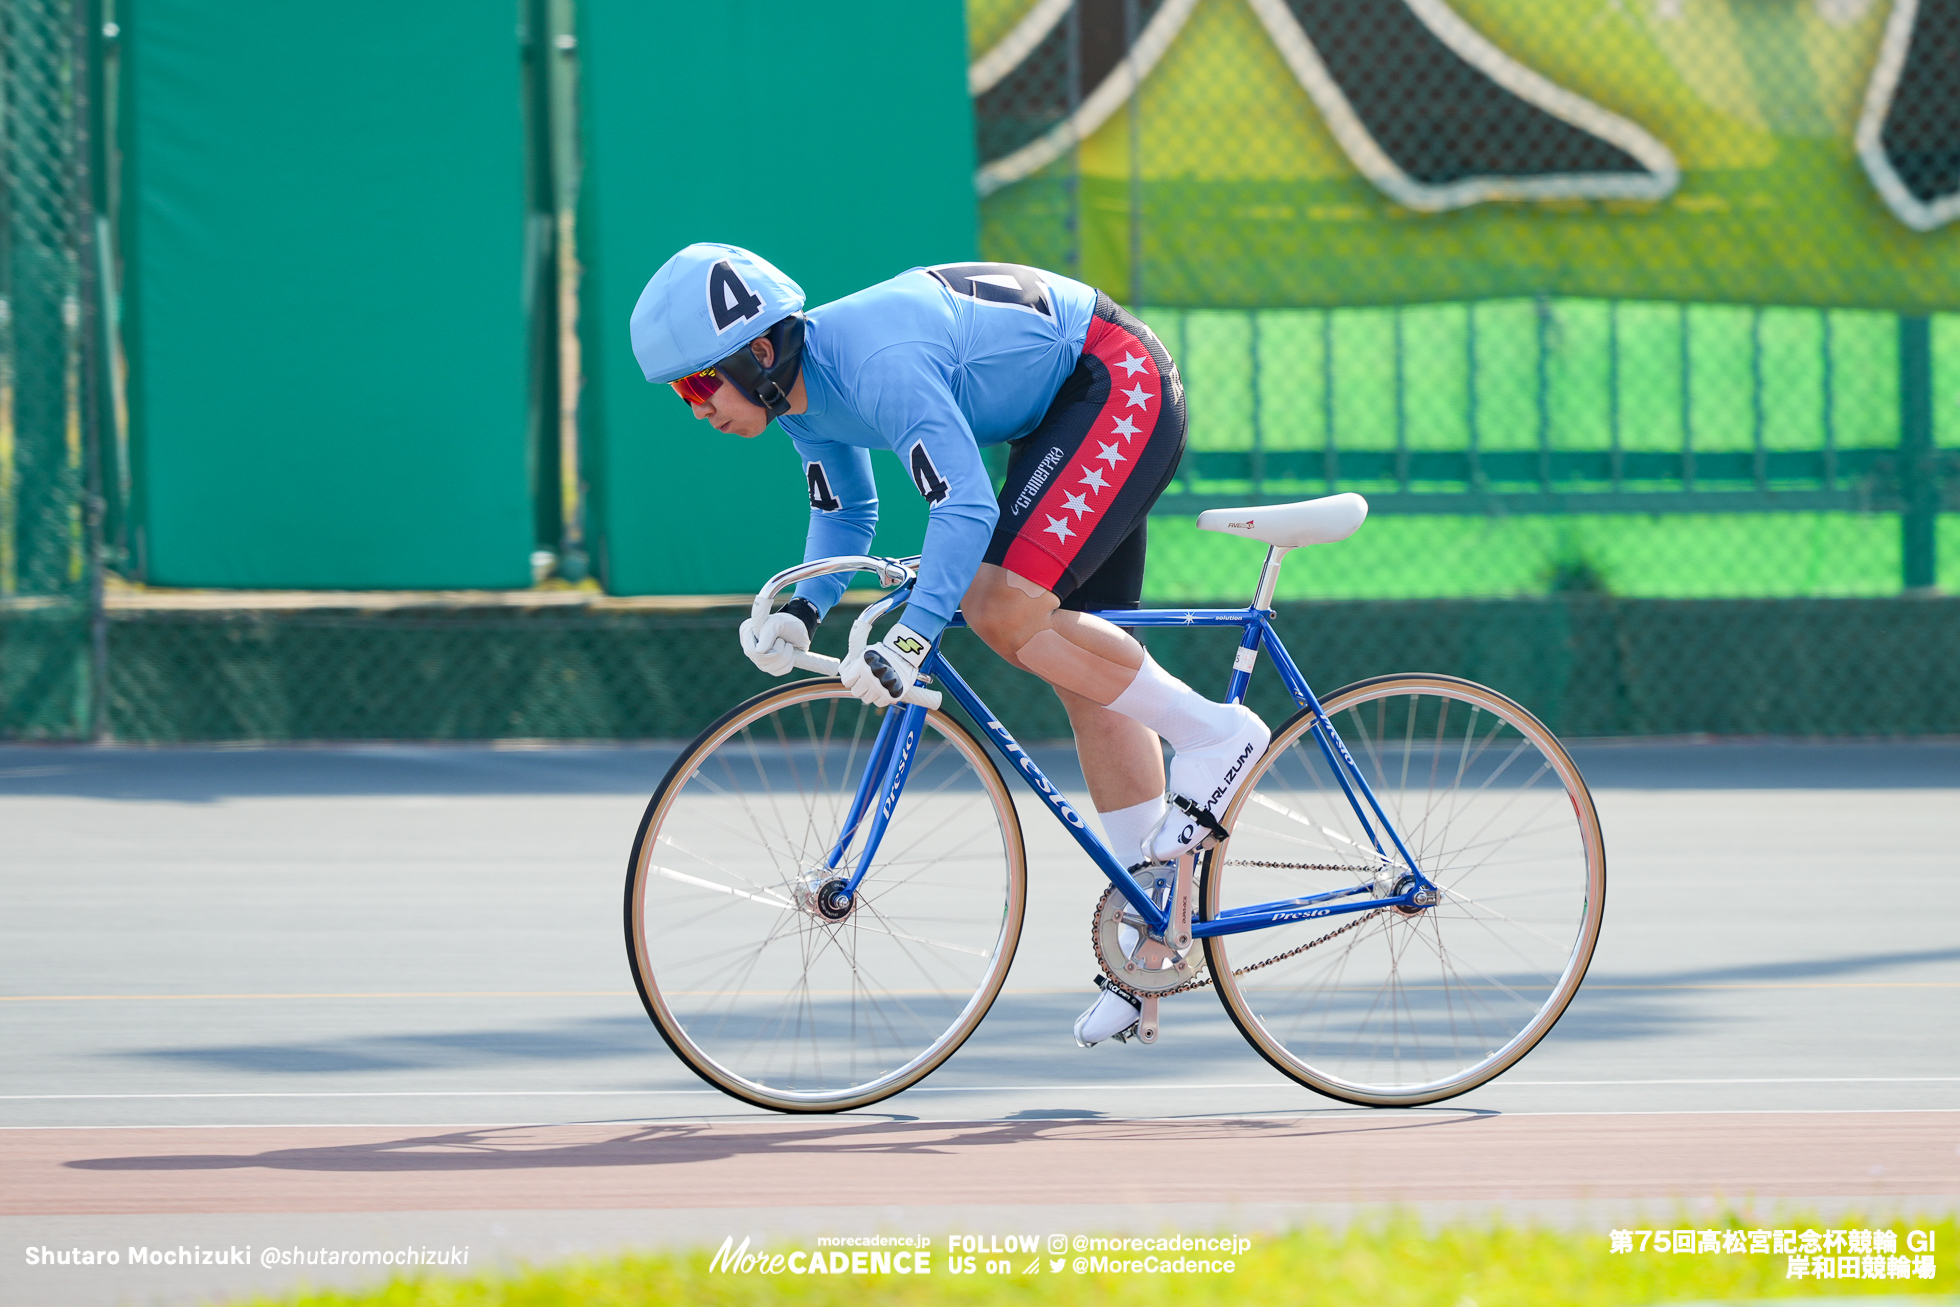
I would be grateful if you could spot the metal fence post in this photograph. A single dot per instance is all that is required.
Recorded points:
(1132, 28)
(1074, 43)
(1258, 461)
(1918, 484)
(566, 165)
(86, 34)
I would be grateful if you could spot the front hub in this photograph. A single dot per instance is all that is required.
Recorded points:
(834, 900)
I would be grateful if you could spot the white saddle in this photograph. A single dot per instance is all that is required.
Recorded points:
(1309, 522)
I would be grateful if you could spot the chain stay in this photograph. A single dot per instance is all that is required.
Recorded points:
(1189, 985)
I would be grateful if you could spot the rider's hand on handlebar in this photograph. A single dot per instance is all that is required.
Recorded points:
(774, 643)
(886, 669)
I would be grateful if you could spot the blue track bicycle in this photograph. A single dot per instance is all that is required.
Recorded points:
(824, 898)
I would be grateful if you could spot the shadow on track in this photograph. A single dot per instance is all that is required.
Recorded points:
(1023, 1040)
(530, 1148)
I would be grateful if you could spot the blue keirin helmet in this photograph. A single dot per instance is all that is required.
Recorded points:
(704, 307)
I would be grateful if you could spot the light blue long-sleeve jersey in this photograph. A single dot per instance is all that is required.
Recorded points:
(931, 365)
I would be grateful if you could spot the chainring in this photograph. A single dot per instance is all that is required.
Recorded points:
(1129, 971)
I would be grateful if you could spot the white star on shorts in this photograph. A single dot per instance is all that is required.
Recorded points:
(1138, 396)
(1094, 477)
(1058, 526)
(1132, 366)
(1077, 504)
(1109, 453)
(1124, 427)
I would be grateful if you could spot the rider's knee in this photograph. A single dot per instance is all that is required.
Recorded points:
(1003, 614)
(994, 621)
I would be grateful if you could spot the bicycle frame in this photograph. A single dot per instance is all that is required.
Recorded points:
(892, 751)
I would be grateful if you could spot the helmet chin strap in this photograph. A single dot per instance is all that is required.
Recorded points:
(769, 387)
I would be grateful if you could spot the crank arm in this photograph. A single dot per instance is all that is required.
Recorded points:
(1178, 933)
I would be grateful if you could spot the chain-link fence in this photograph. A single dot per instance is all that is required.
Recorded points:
(1581, 298)
(1587, 664)
(1629, 322)
(46, 686)
(1260, 153)
(1527, 446)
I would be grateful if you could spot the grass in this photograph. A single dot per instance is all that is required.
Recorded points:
(1396, 1263)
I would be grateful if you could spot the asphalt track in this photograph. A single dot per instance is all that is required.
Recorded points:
(377, 995)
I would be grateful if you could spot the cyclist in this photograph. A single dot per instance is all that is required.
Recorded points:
(933, 365)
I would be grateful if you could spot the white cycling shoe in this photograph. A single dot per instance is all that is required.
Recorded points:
(1203, 783)
(1112, 1013)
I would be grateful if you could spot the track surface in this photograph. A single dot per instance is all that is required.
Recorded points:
(1399, 1157)
(389, 980)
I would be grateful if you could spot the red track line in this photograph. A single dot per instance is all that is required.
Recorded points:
(1384, 1158)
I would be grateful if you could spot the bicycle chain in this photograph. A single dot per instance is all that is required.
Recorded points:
(1095, 942)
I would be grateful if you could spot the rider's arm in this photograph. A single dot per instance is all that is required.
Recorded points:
(904, 395)
(843, 513)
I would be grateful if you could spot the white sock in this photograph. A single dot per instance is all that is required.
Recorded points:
(1127, 828)
(1174, 710)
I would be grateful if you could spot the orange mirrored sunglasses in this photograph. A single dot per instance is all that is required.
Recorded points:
(697, 387)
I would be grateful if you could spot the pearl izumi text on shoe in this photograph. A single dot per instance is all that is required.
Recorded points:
(1208, 778)
(1111, 1014)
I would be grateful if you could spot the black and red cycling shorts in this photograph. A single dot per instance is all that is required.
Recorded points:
(1080, 486)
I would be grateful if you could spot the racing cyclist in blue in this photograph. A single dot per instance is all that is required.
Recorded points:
(932, 366)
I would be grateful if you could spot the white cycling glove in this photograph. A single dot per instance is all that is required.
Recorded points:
(900, 653)
(774, 643)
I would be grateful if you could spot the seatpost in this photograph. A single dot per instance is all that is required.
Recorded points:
(1262, 597)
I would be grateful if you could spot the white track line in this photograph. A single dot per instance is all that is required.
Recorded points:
(1005, 993)
(948, 1089)
(888, 1118)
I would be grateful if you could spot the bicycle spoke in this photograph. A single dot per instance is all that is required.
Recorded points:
(1422, 1003)
(760, 993)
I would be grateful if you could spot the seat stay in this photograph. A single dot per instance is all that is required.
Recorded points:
(1338, 758)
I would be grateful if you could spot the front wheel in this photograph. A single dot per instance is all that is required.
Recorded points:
(760, 983)
(1395, 1007)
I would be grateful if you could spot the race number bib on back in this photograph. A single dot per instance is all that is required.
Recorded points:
(1009, 285)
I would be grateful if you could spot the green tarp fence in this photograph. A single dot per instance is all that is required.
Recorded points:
(323, 223)
(844, 163)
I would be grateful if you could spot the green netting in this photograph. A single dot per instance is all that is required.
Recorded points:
(1336, 152)
(1619, 365)
(1635, 422)
(1610, 297)
(1588, 664)
(1728, 556)
(44, 581)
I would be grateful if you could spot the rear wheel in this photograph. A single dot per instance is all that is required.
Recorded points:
(766, 987)
(1400, 1007)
